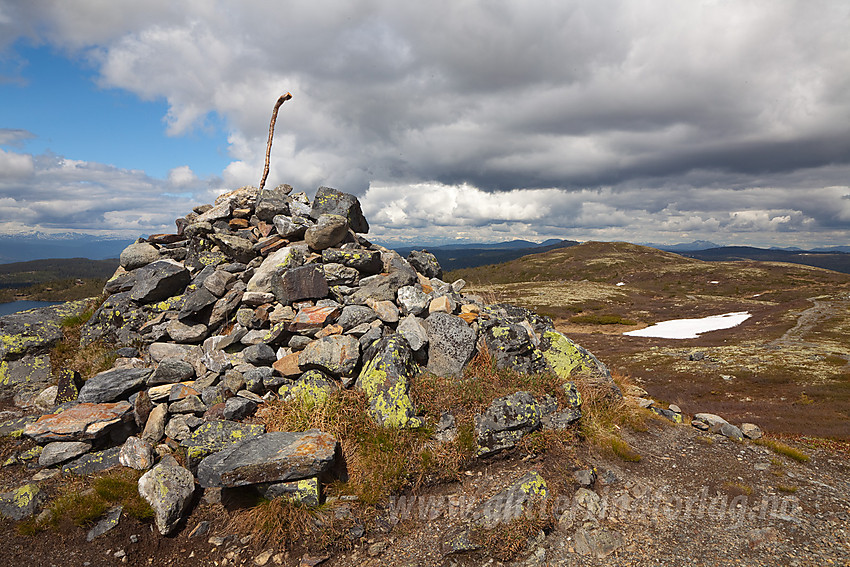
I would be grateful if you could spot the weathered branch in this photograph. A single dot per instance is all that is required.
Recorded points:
(280, 101)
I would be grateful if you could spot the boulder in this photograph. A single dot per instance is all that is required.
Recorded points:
(80, 422)
(273, 457)
(273, 202)
(304, 491)
(186, 333)
(505, 422)
(565, 357)
(136, 454)
(171, 371)
(751, 431)
(214, 436)
(68, 386)
(276, 262)
(22, 502)
(137, 255)
(331, 201)
(365, 261)
(311, 319)
(259, 355)
(451, 344)
(386, 380)
(155, 426)
(168, 488)
(295, 284)
(412, 300)
(354, 315)
(92, 463)
(313, 387)
(413, 331)
(159, 280)
(337, 355)
(328, 231)
(61, 451)
(291, 227)
(425, 263)
(112, 385)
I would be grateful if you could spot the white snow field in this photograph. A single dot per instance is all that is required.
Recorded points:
(691, 328)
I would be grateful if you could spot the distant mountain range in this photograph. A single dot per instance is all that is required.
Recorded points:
(456, 256)
(25, 247)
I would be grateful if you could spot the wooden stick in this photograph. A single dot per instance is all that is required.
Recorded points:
(280, 101)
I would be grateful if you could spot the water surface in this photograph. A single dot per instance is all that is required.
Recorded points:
(15, 306)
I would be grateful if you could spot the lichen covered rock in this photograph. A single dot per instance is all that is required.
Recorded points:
(168, 488)
(386, 381)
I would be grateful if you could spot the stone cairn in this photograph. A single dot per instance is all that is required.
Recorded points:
(267, 295)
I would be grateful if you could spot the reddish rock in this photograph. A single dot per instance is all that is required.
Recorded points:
(313, 318)
(288, 365)
(79, 423)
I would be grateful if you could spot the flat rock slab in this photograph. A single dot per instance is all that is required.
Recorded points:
(273, 457)
(61, 451)
(107, 523)
(35, 329)
(213, 436)
(94, 462)
(79, 423)
(113, 384)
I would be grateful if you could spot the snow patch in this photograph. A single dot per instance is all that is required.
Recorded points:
(618, 284)
(691, 328)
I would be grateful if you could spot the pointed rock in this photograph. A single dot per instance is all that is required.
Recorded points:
(168, 488)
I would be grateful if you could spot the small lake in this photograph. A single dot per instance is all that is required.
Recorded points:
(15, 306)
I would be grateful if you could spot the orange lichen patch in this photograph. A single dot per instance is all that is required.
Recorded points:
(83, 421)
(313, 317)
(468, 317)
(329, 331)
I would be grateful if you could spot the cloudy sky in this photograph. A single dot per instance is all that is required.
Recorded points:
(646, 121)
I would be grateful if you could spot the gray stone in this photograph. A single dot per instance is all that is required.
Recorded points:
(218, 282)
(386, 310)
(46, 399)
(451, 344)
(259, 354)
(337, 274)
(328, 231)
(291, 227)
(255, 379)
(386, 380)
(112, 385)
(732, 432)
(171, 371)
(751, 431)
(331, 201)
(505, 422)
(272, 202)
(159, 280)
(337, 355)
(597, 542)
(273, 457)
(22, 502)
(353, 315)
(446, 430)
(220, 211)
(107, 523)
(305, 491)
(34, 331)
(197, 301)
(61, 451)
(92, 463)
(585, 477)
(189, 404)
(136, 454)
(137, 255)
(237, 249)
(155, 426)
(238, 408)
(168, 488)
(412, 300)
(714, 422)
(425, 263)
(365, 261)
(413, 331)
(186, 333)
(295, 284)
(213, 436)
(177, 428)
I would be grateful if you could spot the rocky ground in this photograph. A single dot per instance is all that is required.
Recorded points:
(267, 302)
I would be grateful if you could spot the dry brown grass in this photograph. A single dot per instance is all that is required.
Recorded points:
(505, 541)
(87, 360)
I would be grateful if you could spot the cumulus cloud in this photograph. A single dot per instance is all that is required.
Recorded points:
(639, 120)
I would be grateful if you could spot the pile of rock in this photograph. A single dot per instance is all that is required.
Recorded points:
(265, 294)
